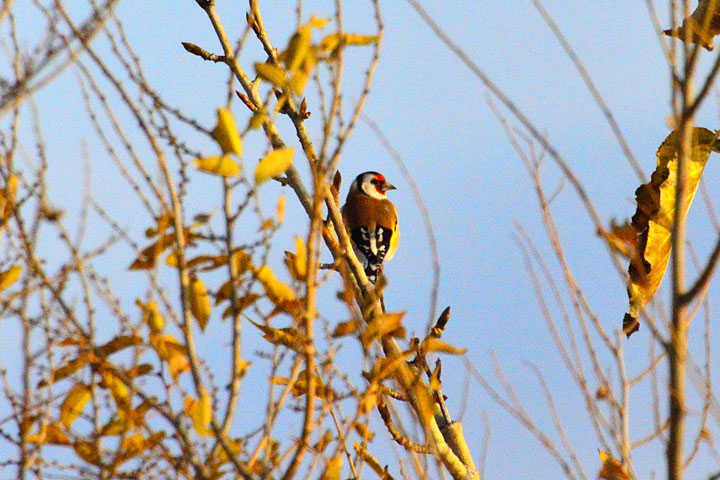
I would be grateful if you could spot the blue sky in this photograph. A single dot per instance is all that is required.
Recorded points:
(436, 115)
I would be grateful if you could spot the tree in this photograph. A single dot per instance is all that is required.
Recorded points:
(199, 355)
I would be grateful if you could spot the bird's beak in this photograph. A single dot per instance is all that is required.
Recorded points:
(387, 186)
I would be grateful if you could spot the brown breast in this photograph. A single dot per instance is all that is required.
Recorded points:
(363, 210)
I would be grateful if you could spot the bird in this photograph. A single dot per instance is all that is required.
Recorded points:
(371, 221)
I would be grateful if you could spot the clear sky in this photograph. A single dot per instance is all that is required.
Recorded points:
(436, 115)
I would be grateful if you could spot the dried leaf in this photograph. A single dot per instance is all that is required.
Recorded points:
(10, 276)
(118, 343)
(621, 237)
(149, 255)
(226, 134)
(704, 25)
(66, 370)
(612, 469)
(654, 217)
(289, 337)
(223, 166)
(242, 304)
(274, 164)
(199, 302)
(432, 344)
(385, 366)
(389, 323)
(74, 403)
(346, 328)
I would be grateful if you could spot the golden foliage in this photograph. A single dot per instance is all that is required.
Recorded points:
(654, 218)
(226, 134)
(612, 469)
(10, 276)
(171, 351)
(200, 411)
(223, 166)
(388, 324)
(199, 301)
(273, 164)
(297, 262)
(432, 344)
(74, 403)
(151, 315)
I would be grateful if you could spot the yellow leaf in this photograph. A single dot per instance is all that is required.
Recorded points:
(273, 164)
(52, 434)
(333, 468)
(318, 22)
(199, 302)
(170, 350)
(272, 73)
(389, 323)
(299, 78)
(703, 25)
(241, 261)
(227, 135)
(223, 166)
(277, 291)
(297, 262)
(432, 344)
(364, 431)
(132, 446)
(385, 366)
(66, 370)
(201, 412)
(152, 315)
(298, 47)
(612, 469)
(257, 120)
(118, 390)
(654, 217)
(7, 199)
(74, 403)
(87, 451)
(332, 41)
(8, 277)
(280, 210)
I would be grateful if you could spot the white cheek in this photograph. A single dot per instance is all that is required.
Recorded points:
(372, 192)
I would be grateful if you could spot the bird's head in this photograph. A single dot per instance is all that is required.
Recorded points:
(372, 184)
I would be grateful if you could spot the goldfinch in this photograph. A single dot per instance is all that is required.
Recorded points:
(371, 220)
